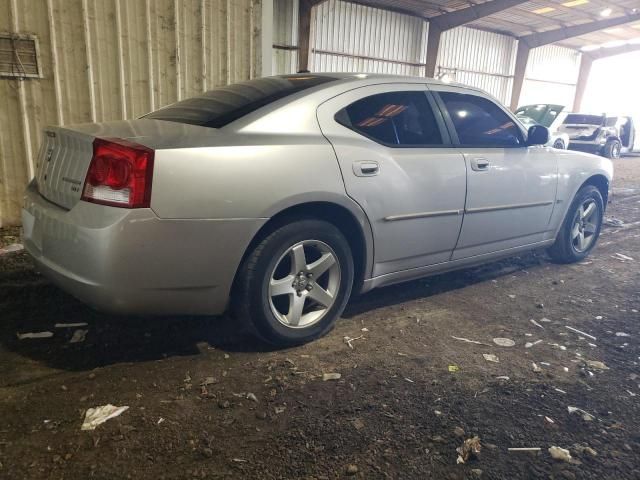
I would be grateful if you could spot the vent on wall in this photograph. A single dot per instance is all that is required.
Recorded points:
(19, 56)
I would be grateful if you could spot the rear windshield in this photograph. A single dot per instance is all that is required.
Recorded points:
(221, 106)
(579, 119)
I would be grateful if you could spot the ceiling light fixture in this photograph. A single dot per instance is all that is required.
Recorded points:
(540, 11)
(575, 3)
(590, 48)
(606, 12)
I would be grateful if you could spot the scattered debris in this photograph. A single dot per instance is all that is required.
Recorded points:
(560, 454)
(613, 222)
(524, 449)
(539, 305)
(531, 344)
(536, 323)
(223, 404)
(437, 413)
(207, 381)
(252, 397)
(79, 336)
(160, 420)
(490, 357)
(409, 380)
(14, 247)
(622, 334)
(549, 420)
(545, 320)
(582, 449)
(24, 336)
(71, 325)
(458, 432)
(331, 376)
(462, 339)
(348, 340)
(559, 391)
(352, 469)
(454, 368)
(504, 342)
(596, 364)
(586, 416)
(561, 347)
(279, 410)
(98, 415)
(536, 368)
(240, 460)
(365, 329)
(580, 332)
(512, 296)
(620, 256)
(470, 448)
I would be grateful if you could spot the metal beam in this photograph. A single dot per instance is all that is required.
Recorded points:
(551, 36)
(611, 52)
(460, 17)
(304, 31)
(583, 78)
(522, 57)
(457, 18)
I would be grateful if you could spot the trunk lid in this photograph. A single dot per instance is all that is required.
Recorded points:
(579, 131)
(66, 152)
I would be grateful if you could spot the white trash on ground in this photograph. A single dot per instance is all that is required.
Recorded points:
(331, 376)
(504, 342)
(79, 336)
(24, 336)
(560, 454)
(14, 247)
(98, 415)
(490, 357)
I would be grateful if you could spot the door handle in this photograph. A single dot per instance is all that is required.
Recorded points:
(479, 164)
(366, 168)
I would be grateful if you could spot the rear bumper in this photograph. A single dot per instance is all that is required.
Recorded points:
(132, 262)
(584, 146)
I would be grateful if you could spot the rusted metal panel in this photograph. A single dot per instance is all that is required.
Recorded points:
(350, 37)
(111, 59)
(480, 59)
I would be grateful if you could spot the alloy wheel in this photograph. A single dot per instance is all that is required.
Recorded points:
(304, 284)
(585, 226)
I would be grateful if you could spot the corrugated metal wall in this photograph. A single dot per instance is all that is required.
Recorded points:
(113, 59)
(285, 36)
(349, 37)
(480, 59)
(551, 77)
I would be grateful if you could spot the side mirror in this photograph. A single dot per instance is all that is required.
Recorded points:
(538, 135)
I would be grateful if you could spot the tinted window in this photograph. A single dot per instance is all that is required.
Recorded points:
(220, 106)
(478, 121)
(394, 118)
(580, 119)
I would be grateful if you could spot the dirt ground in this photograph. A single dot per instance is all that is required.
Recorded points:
(409, 393)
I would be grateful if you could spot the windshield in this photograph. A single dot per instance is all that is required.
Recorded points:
(580, 119)
(543, 113)
(221, 106)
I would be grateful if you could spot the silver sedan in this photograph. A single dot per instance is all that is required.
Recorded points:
(281, 196)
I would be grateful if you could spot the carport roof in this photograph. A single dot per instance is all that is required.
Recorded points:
(536, 17)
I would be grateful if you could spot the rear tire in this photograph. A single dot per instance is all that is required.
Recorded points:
(612, 149)
(581, 228)
(295, 283)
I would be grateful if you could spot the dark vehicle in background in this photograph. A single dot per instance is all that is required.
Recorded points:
(547, 115)
(609, 136)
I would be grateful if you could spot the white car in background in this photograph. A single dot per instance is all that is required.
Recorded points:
(547, 115)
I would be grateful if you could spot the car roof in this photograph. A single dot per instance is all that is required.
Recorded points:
(373, 77)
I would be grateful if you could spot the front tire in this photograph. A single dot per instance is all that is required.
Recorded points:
(612, 149)
(295, 283)
(581, 227)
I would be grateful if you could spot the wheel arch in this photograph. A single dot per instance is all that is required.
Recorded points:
(601, 183)
(353, 224)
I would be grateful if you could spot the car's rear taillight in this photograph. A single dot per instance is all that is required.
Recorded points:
(120, 174)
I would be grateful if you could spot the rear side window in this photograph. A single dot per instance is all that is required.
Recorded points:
(480, 122)
(394, 118)
(221, 106)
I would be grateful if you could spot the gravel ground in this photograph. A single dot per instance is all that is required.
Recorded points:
(206, 401)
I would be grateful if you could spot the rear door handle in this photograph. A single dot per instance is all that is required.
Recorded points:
(366, 168)
(479, 164)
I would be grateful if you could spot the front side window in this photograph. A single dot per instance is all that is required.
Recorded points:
(394, 118)
(480, 122)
